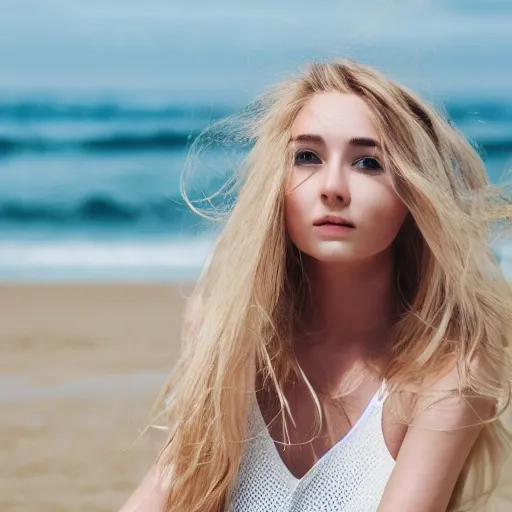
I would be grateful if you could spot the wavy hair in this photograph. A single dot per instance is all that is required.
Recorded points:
(456, 303)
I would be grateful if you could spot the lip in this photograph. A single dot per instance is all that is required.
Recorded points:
(332, 231)
(333, 221)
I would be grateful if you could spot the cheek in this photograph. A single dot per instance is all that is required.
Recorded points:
(294, 216)
(382, 210)
(299, 203)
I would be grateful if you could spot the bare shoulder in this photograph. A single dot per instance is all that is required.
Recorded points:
(448, 403)
(447, 418)
(150, 495)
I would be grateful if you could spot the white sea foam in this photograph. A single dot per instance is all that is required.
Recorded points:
(121, 260)
(105, 260)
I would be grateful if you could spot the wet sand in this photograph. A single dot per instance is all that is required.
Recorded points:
(81, 366)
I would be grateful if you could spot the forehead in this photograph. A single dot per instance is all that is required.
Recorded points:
(335, 114)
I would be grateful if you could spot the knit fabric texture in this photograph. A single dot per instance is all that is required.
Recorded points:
(350, 477)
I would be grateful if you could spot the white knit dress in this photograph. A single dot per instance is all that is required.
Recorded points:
(350, 477)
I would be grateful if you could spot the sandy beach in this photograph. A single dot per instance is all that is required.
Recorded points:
(81, 366)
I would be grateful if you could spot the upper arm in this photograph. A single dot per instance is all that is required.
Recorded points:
(435, 448)
(149, 496)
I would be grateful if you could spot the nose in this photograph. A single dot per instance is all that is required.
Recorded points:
(334, 186)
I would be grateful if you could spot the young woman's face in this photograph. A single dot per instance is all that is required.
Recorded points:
(337, 177)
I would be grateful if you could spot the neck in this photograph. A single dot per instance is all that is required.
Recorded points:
(351, 304)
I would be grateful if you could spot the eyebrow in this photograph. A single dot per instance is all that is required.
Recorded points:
(354, 141)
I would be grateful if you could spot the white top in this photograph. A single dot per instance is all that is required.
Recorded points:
(350, 477)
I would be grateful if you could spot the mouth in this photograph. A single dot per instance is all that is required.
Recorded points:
(339, 224)
(330, 221)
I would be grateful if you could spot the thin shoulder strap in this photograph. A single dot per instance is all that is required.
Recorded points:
(382, 392)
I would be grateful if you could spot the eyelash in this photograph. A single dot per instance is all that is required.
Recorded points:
(306, 151)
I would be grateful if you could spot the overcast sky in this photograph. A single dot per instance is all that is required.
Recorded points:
(241, 44)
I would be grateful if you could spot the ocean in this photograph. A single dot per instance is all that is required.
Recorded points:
(89, 187)
(99, 104)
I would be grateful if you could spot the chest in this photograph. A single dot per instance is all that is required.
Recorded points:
(347, 476)
(303, 442)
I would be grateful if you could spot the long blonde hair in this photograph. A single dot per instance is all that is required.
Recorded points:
(456, 302)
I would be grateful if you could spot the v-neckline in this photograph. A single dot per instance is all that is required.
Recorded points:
(296, 481)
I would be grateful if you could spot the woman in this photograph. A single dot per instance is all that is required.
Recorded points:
(345, 349)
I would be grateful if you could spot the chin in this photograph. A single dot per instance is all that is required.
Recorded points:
(335, 254)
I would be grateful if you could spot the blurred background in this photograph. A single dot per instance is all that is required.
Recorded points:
(99, 101)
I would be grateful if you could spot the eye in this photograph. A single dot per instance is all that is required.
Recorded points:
(369, 164)
(306, 157)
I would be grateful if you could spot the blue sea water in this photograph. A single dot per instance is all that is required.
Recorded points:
(90, 189)
(99, 105)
